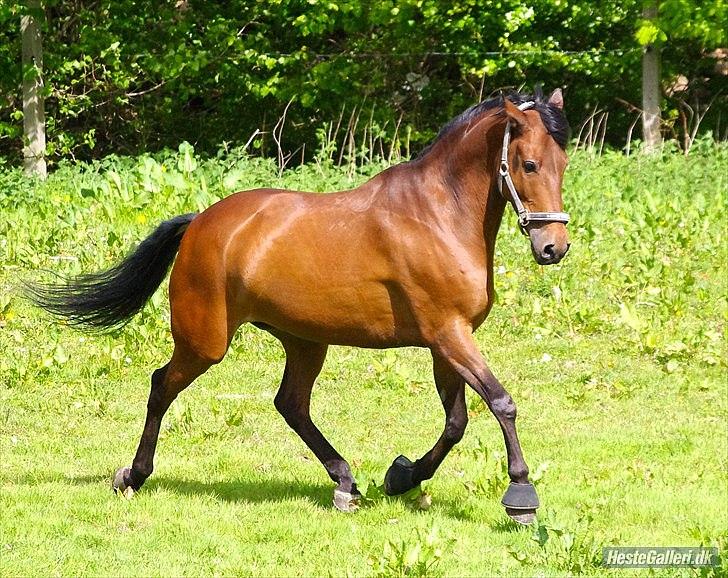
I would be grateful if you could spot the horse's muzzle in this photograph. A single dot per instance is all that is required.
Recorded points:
(549, 243)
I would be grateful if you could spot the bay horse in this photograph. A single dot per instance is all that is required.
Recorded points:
(406, 259)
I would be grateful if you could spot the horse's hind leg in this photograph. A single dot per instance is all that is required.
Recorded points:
(201, 329)
(404, 475)
(167, 383)
(304, 360)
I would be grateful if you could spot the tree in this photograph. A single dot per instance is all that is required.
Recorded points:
(33, 97)
(651, 79)
(679, 39)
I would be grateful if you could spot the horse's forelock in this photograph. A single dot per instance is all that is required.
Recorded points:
(552, 116)
(555, 122)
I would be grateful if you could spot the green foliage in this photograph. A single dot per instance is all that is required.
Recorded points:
(571, 548)
(492, 480)
(419, 556)
(704, 23)
(218, 72)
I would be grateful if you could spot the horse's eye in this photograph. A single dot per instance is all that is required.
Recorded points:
(529, 166)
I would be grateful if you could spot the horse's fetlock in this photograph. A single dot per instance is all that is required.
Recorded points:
(139, 473)
(518, 473)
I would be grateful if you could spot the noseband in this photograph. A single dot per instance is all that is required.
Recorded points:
(524, 215)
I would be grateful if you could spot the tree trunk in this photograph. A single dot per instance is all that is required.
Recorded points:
(33, 99)
(651, 86)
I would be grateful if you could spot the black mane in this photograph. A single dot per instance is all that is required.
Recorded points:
(552, 117)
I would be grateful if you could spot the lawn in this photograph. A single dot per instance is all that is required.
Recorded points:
(616, 358)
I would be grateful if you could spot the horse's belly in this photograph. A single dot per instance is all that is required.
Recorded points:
(361, 316)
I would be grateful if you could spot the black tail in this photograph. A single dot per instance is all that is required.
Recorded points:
(109, 299)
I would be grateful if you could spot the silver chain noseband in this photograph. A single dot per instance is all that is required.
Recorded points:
(524, 215)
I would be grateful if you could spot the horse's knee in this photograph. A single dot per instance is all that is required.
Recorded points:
(504, 407)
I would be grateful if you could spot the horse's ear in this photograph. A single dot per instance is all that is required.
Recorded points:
(557, 99)
(515, 115)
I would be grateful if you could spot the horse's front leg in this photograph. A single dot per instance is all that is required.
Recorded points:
(404, 475)
(460, 351)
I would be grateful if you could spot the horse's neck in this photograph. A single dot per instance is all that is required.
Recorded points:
(466, 164)
(452, 188)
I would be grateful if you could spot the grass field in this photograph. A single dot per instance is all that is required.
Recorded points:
(620, 380)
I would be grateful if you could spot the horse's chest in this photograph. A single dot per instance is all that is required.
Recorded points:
(480, 301)
(467, 295)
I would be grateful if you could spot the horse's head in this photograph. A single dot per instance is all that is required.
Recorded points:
(535, 168)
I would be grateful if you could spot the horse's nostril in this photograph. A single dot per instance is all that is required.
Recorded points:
(548, 251)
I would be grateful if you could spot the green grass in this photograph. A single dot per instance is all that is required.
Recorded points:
(620, 381)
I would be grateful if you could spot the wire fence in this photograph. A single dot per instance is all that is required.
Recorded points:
(488, 53)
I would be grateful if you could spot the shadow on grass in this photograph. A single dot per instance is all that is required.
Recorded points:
(245, 490)
(238, 490)
(35, 479)
(255, 489)
(271, 489)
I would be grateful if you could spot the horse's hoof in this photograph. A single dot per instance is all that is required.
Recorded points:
(399, 477)
(521, 501)
(523, 517)
(118, 484)
(346, 502)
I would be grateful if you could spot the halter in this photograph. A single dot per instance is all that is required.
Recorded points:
(524, 215)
